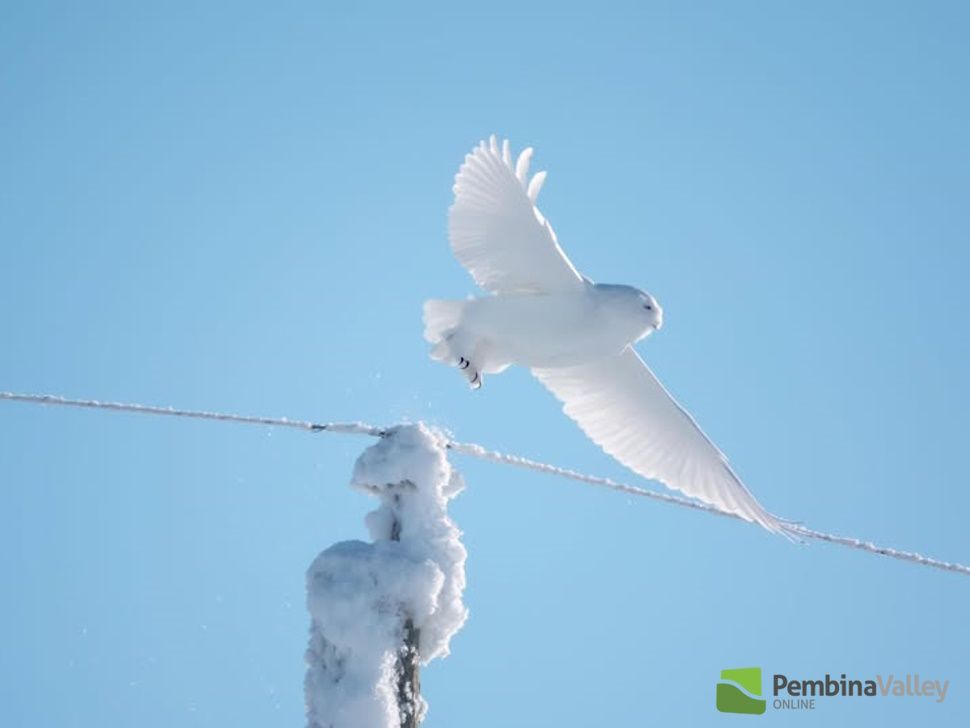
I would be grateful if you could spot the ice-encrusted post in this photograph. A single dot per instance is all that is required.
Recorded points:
(379, 610)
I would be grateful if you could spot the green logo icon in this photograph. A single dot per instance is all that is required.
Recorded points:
(739, 691)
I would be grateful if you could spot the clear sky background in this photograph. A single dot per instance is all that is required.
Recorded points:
(242, 208)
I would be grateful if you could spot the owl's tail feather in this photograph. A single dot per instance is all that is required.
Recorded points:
(441, 320)
(442, 329)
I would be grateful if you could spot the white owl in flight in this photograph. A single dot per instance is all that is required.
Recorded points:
(575, 336)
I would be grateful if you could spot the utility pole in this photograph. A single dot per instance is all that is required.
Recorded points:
(409, 659)
(379, 609)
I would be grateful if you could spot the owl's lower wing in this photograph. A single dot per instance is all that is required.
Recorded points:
(622, 407)
(497, 232)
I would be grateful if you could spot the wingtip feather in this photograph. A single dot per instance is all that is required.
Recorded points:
(535, 185)
(522, 164)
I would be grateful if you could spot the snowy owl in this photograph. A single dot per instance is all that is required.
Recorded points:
(575, 336)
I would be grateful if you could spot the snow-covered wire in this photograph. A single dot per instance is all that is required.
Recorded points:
(477, 451)
(854, 543)
(352, 428)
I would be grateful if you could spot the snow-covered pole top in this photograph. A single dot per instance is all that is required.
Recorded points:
(380, 609)
(409, 472)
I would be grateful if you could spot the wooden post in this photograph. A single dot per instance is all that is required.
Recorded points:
(408, 660)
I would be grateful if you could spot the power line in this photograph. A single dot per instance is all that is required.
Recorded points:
(477, 451)
(520, 462)
(353, 428)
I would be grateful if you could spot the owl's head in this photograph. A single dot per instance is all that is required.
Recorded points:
(636, 306)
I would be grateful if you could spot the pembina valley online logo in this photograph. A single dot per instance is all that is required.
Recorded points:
(740, 690)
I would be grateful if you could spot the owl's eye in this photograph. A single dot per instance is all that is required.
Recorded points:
(648, 307)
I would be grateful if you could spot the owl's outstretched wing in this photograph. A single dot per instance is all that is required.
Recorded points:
(619, 403)
(498, 233)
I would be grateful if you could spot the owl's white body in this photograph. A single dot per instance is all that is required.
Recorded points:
(540, 330)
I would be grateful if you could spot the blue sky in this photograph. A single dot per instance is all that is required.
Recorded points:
(241, 207)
